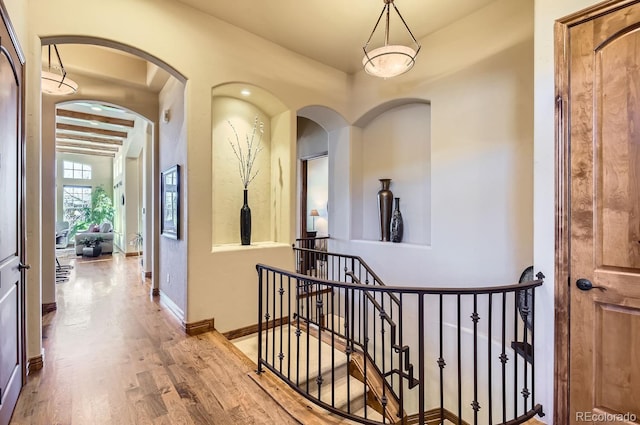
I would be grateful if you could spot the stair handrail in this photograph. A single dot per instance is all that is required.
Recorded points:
(270, 276)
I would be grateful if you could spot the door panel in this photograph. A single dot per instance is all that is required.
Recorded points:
(604, 96)
(11, 221)
(618, 116)
(618, 386)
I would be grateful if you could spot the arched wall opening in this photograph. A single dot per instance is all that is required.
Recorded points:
(251, 133)
(395, 143)
(321, 132)
(143, 103)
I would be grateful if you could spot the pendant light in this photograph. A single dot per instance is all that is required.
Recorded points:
(389, 60)
(54, 79)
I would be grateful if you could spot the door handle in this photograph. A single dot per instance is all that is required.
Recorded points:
(586, 285)
(22, 266)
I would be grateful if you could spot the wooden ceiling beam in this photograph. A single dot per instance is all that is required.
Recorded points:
(84, 138)
(82, 129)
(92, 117)
(83, 152)
(87, 146)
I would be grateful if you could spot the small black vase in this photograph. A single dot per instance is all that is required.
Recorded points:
(397, 226)
(245, 222)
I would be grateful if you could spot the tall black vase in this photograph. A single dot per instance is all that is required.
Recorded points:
(245, 222)
(385, 199)
(397, 225)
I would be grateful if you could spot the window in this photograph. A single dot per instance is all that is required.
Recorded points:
(74, 200)
(76, 170)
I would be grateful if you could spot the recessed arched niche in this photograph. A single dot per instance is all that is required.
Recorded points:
(242, 113)
(395, 143)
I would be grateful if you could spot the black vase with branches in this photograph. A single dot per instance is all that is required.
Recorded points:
(246, 159)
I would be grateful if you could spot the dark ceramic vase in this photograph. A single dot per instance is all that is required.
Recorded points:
(245, 222)
(397, 226)
(385, 200)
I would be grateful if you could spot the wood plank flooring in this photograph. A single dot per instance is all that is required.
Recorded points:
(113, 355)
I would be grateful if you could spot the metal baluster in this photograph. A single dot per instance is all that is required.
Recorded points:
(421, 367)
(384, 355)
(333, 348)
(515, 354)
(533, 359)
(260, 283)
(298, 333)
(308, 332)
(289, 328)
(273, 332)
(525, 337)
(349, 346)
(459, 366)
(401, 365)
(281, 292)
(366, 349)
(441, 362)
(475, 405)
(504, 358)
(489, 361)
(319, 312)
(266, 316)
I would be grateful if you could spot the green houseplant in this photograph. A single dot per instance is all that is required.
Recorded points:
(92, 247)
(101, 210)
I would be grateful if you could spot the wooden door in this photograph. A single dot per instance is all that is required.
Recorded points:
(603, 106)
(11, 222)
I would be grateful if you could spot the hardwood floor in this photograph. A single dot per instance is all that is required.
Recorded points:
(113, 355)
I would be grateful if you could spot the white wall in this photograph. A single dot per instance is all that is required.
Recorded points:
(546, 13)
(312, 139)
(396, 144)
(228, 188)
(477, 76)
(318, 194)
(131, 204)
(479, 88)
(173, 273)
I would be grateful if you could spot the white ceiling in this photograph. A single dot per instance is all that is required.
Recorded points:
(333, 31)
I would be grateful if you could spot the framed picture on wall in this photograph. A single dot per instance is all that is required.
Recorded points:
(170, 202)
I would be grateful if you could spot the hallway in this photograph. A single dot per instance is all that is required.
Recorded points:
(113, 355)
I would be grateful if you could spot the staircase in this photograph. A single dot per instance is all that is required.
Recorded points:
(325, 373)
(343, 340)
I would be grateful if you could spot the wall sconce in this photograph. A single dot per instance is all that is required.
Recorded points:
(166, 116)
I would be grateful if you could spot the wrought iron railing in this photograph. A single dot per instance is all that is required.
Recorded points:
(474, 347)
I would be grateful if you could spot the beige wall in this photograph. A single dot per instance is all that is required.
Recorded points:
(228, 189)
(132, 204)
(173, 273)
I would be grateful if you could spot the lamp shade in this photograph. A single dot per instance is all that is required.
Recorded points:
(314, 213)
(56, 84)
(389, 61)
